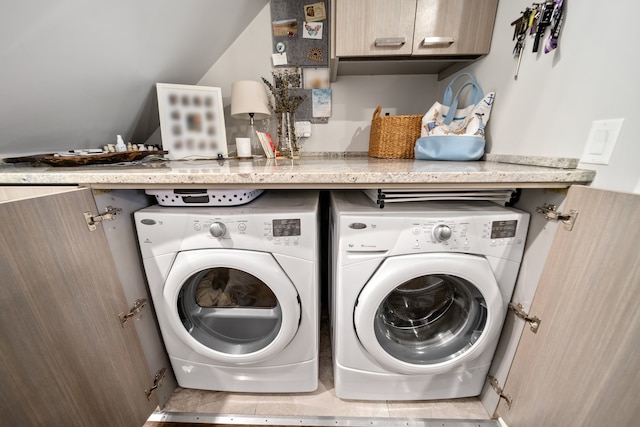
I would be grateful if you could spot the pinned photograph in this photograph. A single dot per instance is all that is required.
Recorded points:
(285, 27)
(314, 12)
(312, 30)
(316, 78)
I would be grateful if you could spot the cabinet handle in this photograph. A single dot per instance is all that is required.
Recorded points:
(429, 41)
(390, 41)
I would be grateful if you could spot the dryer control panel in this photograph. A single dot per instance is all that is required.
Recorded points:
(277, 234)
(289, 234)
(278, 222)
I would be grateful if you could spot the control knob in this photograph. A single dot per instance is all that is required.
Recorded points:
(217, 229)
(442, 233)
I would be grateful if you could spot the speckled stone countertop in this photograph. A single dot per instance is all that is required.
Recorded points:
(307, 172)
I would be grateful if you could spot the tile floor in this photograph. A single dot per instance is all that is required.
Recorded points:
(322, 402)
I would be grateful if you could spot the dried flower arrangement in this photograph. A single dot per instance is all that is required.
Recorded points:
(285, 103)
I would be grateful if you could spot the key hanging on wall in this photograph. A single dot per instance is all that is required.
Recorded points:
(556, 25)
(534, 22)
(520, 36)
(542, 23)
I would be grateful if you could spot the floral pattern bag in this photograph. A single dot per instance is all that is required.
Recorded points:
(452, 133)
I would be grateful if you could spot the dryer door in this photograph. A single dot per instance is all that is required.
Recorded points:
(428, 313)
(233, 306)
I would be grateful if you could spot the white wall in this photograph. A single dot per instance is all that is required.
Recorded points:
(75, 73)
(548, 111)
(353, 98)
(592, 75)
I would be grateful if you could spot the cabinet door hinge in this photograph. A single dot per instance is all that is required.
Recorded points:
(109, 215)
(137, 306)
(518, 309)
(495, 385)
(551, 214)
(157, 382)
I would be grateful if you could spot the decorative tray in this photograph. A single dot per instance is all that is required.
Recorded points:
(86, 159)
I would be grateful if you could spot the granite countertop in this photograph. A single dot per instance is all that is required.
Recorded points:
(324, 172)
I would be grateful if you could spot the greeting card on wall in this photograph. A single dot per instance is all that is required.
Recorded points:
(321, 99)
(191, 121)
(312, 30)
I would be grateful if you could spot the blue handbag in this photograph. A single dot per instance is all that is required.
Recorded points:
(449, 147)
(452, 133)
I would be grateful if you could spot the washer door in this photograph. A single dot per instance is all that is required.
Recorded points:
(428, 313)
(233, 306)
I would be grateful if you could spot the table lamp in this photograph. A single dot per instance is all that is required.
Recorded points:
(249, 102)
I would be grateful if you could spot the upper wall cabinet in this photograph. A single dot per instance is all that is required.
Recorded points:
(454, 27)
(374, 27)
(440, 33)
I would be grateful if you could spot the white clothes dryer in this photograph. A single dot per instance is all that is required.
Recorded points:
(235, 290)
(419, 293)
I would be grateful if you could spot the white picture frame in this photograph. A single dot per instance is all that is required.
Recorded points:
(191, 121)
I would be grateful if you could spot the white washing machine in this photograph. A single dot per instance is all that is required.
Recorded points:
(419, 294)
(236, 292)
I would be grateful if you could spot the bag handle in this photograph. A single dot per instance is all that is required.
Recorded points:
(476, 96)
(448, 118)
(476, 93)
(377, 112)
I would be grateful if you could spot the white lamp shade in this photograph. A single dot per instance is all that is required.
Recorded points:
(248, 96)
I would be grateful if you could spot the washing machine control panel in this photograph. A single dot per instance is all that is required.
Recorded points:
(440, 234)
(502, 236)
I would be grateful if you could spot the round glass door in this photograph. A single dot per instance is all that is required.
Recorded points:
(427, 313)
(229, 310)
(430, 319)
(231, 305)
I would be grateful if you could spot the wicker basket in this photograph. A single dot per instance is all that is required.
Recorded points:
(393, 137)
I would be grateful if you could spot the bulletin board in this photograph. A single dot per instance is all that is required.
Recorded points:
(300, 30)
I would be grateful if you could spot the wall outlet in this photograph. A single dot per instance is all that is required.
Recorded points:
(303, 129)
(602, 139)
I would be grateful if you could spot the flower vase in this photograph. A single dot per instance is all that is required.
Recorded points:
(287, 144)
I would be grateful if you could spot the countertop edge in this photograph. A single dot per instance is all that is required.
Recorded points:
(307, 172)
(551, 162)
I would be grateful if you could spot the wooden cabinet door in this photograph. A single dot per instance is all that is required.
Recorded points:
(582, 368)
(374, 27)
(454, 27)
(65, 358)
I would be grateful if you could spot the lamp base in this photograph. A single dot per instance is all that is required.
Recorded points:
(256, 146)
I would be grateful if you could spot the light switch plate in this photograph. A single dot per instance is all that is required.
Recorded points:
(602, 139)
